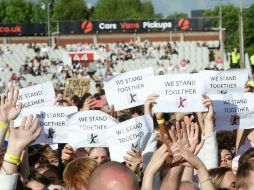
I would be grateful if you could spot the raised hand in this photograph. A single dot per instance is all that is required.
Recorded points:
(193, 137)
(150, 101)
(24, 135)
(157, 160)
(67, 153)
(88, 104)
(8, 108)
(209, 115)
(134, 160)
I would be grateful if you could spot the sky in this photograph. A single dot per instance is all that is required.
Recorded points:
(167, 7)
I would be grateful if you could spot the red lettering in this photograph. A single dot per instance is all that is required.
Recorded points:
(12, 29)
(126, 25)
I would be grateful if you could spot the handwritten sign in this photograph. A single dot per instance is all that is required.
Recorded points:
(88, 128)
(233, 111)
(76, 86)
(52, 120)
(222, 82)
(128, 89)
(131, 133)
(37, 96)
(177, 93)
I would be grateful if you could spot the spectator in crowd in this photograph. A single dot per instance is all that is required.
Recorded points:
(235, 59)
(252, 62)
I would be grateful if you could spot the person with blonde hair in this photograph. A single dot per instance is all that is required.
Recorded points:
(77, 173)
(223, 177)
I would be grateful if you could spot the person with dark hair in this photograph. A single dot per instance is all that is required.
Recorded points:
(37, 181)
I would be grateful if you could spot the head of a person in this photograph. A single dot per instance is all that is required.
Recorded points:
(245, 176)
(51, 172)
(225, 158)
(37, 181)
(113, 176)
(77, 173)
(74, 100)
(51, 156)
(99, 154)
(188, 185)
(59, 95)
(223, 178)
(248, 155)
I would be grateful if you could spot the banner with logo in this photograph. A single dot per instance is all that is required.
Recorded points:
(22, 29)
(52, 120)
(131, 26)
(233, 111)
(134, 132)
(88, 128)
(222, 82)
(37, 96)
(177, 93)
(128, 89)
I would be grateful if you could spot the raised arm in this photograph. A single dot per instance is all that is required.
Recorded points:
(19, 139)
(8, 110)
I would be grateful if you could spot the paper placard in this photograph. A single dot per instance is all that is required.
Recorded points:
(76, 86)
(233, 111)
(127, 90)
(133, 132)
(52, 120)
(222, 82)
(177, 93)
(88, 128)
(37, 96)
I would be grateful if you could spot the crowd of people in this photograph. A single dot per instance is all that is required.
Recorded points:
(163, 54)
(184, 152)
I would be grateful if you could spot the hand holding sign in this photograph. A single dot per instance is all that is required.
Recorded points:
(150, 101)
(9, 111)
(208, 117)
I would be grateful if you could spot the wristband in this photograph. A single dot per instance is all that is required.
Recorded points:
(161, 121)
(3, 125)
(205, 180)
(12, 159)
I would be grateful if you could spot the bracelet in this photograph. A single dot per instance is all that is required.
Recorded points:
(161, 121)
(12, 159)
(3, 125)
(7, 172)
(209, 179)
(139, 174)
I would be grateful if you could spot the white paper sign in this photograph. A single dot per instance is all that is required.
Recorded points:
(233, 111)
(127, 90)
(222, 82)
(37, 96)
(52, 120)
(87, 128)
(134, 132)
(177, 93)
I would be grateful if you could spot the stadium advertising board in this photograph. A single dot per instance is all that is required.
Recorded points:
(22, 29)
(158, 25)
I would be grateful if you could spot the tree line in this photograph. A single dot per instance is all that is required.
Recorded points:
(23, 11)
